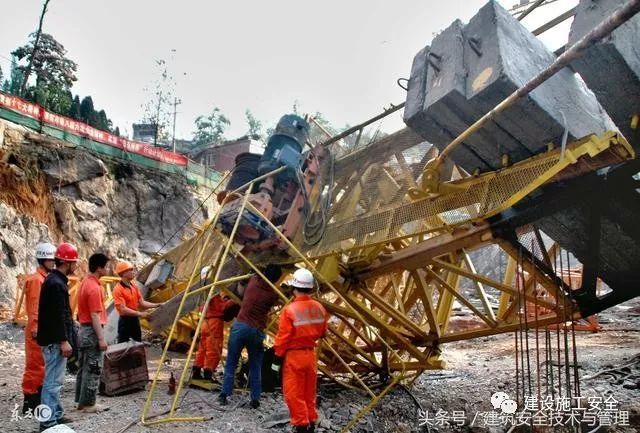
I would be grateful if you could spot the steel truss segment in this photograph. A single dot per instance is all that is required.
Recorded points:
(396, 307)
(352, 310)
(472, 199)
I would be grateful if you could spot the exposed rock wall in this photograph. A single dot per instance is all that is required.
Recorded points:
(51, 190)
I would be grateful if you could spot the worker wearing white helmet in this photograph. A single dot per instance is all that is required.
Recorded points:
(302, 323)
(34, 363)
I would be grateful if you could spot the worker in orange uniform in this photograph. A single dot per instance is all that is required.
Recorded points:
(34, 362)
(211, 339)
(128, 301)
(302, 323)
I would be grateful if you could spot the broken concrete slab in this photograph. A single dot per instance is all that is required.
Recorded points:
(611, 68)
(471, 69)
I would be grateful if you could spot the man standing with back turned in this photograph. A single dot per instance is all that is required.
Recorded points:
(248, 331)
(92, 317)
(302, 323)
(55, 331)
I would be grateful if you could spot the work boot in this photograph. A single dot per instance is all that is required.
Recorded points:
(208, 375)
(300, 429)
(31, 401)
(222, 399)
(196, 373)
(311, 428)
(254, 404)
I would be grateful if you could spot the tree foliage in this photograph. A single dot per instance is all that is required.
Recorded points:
(322, 129)
(54, 76)
(211, 128)
(87, 110)
(254, 126)
(50, 63)
(12, 84)
(74, 111)
(160, 93)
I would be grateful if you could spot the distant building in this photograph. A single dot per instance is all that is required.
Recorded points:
(145, 132)
(182, 146)
(221, 156)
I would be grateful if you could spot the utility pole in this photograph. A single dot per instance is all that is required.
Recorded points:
(155, 137)
(27, 72)
(176, 102)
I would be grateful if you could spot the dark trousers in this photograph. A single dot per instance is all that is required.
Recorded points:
(129, 328)
(91, 362)
(241, 336)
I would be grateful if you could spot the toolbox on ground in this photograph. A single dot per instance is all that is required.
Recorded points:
(125, 368)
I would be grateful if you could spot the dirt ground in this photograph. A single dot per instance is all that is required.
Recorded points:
(476, 369)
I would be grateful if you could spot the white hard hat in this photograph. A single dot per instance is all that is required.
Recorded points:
(45, 251)
(204, 271)
(302, 278)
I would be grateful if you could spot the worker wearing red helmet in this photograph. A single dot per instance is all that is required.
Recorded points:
(55, 331)
(34, 363)
(302, 323)
(129, 302)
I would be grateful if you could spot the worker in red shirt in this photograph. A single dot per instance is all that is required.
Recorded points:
(129, 301)
(92, 317)
(211, 339)
(34, 362)
(302, 323)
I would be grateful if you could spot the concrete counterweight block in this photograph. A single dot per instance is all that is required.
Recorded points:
(611, 68)
(471, 69)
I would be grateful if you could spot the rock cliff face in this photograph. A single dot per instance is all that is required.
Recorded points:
(51, 190)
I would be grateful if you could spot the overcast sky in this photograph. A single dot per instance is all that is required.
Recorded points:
(341, 58)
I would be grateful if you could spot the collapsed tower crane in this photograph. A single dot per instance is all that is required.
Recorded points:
(490, 164)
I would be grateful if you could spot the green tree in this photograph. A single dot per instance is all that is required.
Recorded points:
(1, 76)
(211, 128)
(254, 125)
(359, 140)
(321, 128)
(160, 95)
(54, 72)
(87, 112)
(57, 99)
(50, 64)
(74, 111)
(12, 84)
(102, 122)
(116, 131)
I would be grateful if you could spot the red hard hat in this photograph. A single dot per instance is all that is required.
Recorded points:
(67, 252)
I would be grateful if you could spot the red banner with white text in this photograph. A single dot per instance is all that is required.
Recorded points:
(35, 111)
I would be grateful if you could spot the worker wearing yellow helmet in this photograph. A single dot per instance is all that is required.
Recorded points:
(129, 303)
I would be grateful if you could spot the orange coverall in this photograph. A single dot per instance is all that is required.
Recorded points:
(302, 323)
(34, 362)
(211, 335)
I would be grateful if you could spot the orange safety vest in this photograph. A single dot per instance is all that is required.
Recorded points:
(32, 298)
